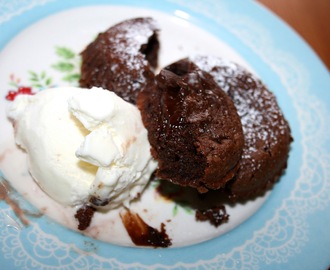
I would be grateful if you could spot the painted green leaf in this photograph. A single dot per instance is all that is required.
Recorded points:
(71, 77)
(155, 183)
(65, 53)
(13, 84)
(33, 75)
(175, 210)
(63, 66)
(37, 85)
(187, 209)
(48, 81)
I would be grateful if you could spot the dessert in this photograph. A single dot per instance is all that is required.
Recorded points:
(266, 132)
(122, 59)
(84, 147)
(215, 215)
(193, 128)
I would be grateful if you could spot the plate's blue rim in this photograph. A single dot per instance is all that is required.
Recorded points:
(279, 30)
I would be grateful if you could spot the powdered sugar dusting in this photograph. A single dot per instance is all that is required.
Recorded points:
(126, 41)
(264, 126)
(118, 59)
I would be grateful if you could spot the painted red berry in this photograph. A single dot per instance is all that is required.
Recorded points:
(11, 95)
(24, 90)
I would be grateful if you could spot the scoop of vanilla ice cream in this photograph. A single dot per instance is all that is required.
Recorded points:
(50, 134)
(83, 145)
(117, 144)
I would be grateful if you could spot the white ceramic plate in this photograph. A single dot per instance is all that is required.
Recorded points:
(40, 39)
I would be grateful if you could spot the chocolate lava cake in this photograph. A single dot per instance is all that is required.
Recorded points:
(122, 59)
(266, 132)
(193, 128)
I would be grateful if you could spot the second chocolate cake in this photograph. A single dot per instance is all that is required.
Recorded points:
(193, 128)
(266, 132)
(122, 58)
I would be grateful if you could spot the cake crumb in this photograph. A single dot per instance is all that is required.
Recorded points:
(215, 215)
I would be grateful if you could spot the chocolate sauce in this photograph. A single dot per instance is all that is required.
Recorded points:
(216, 215)
(142, 234)
(84, 216)
(5, 191)
(98, 202)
